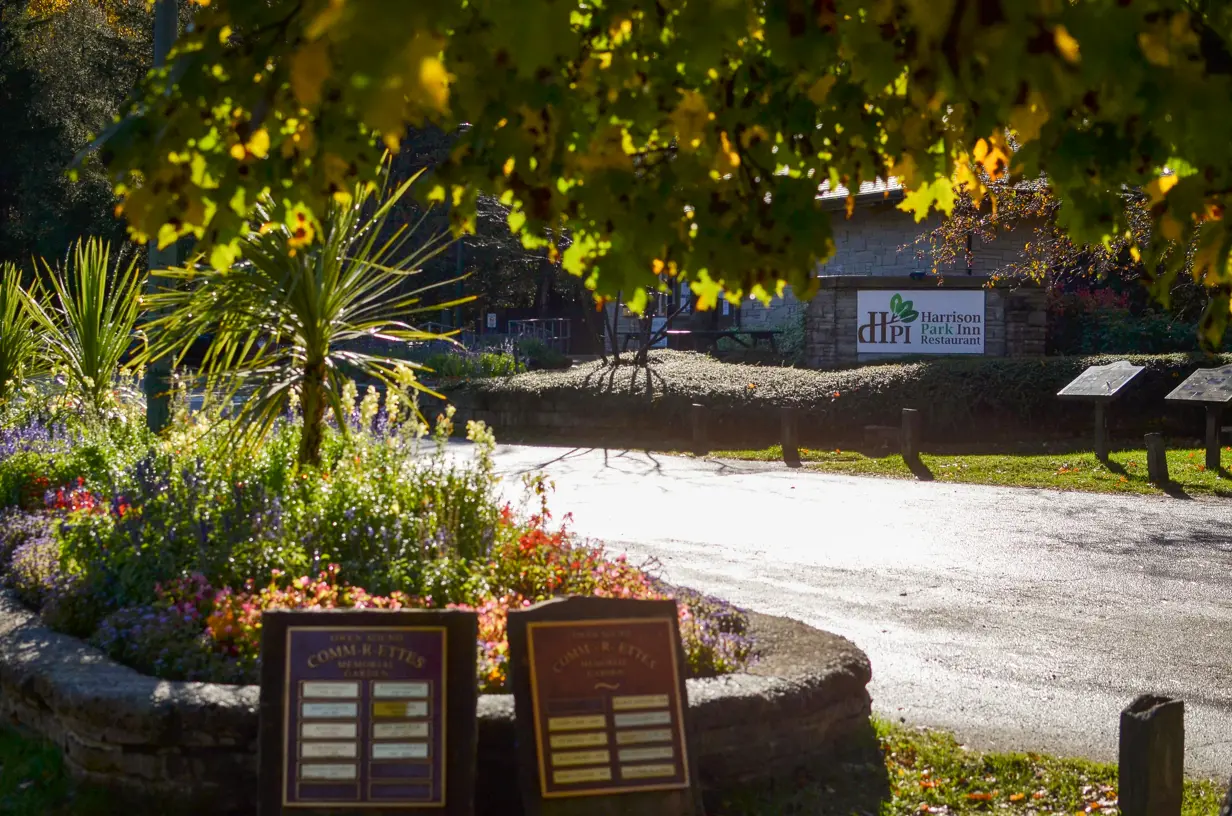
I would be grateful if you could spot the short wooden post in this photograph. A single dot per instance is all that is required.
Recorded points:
(790, 419)
(701, 433)
(1156, 459)
(910, 441)
(1213, 419)
(1152, 756)
(1101, 432)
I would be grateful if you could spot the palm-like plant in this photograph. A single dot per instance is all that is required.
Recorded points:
(87, 318)
(18, 339)
(281, 319)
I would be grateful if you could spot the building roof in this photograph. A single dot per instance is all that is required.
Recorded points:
(881, 186)
(869, 192)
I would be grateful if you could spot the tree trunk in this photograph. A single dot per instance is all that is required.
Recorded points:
(314, 414)
(643, 341)
(547, 271)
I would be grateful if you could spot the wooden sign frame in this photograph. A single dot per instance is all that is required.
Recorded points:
(612, 642)
(393, 699)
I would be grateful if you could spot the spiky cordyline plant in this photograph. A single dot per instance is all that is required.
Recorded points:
(19, 347)
(281, 319)
(86, 319)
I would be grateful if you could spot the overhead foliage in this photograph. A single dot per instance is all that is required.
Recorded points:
(689, 137)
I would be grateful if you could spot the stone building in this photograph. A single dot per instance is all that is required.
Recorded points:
(879, 248)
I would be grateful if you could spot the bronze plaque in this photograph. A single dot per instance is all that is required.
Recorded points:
(608, 713)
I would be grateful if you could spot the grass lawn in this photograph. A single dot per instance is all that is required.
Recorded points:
(928, 772)
(1125, 472)
(911, 772)
(33, 782)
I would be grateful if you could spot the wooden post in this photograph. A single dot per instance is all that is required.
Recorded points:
(1101, 432)
(1152, 756)
(791, 435)
(701, 435)
(1213, 419)
(1156, 459)
(910, 440)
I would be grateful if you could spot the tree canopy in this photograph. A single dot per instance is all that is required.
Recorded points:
(689, 137)
(66, 67)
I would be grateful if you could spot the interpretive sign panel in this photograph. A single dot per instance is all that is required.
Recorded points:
(365, 710)
(601, 703)
(1212, 386)
(1106, 382)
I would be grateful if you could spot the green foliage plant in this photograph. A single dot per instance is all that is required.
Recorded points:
(87, 318)
(19, 346)
(281, 318)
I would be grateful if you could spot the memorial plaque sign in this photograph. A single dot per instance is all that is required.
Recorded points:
(1211, 386)
(601, 707)
(1212, 389)
(368, 709)
(1105, 382)
(1101, 385)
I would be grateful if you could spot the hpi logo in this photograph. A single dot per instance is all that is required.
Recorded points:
(890, 327)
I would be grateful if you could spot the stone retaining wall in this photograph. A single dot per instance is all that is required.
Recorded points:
(191, 747)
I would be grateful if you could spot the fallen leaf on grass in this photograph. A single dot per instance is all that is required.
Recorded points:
(1017, 797)
(980, 796)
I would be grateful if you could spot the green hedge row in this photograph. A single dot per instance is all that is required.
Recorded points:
(961, 398)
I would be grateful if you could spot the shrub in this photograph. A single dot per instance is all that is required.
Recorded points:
(168, 638)
(540, 355)
(466, 364)
(34, 571)
(961, 398)
(1102, 321)
(17, 527)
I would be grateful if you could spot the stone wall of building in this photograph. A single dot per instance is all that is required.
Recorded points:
(879, 240)
(1015, 317)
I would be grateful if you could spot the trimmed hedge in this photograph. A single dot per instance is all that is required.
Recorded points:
(962, 398)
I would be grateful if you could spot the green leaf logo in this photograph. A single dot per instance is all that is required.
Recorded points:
(902, 309)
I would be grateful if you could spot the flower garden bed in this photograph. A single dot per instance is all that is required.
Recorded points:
(163, 553)
(136, 570)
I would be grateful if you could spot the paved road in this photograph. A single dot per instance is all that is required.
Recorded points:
(1017, 618)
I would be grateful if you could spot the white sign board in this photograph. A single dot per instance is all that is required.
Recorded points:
(915, 321)
(491, 320)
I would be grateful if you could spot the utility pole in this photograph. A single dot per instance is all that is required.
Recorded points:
(158, 374)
